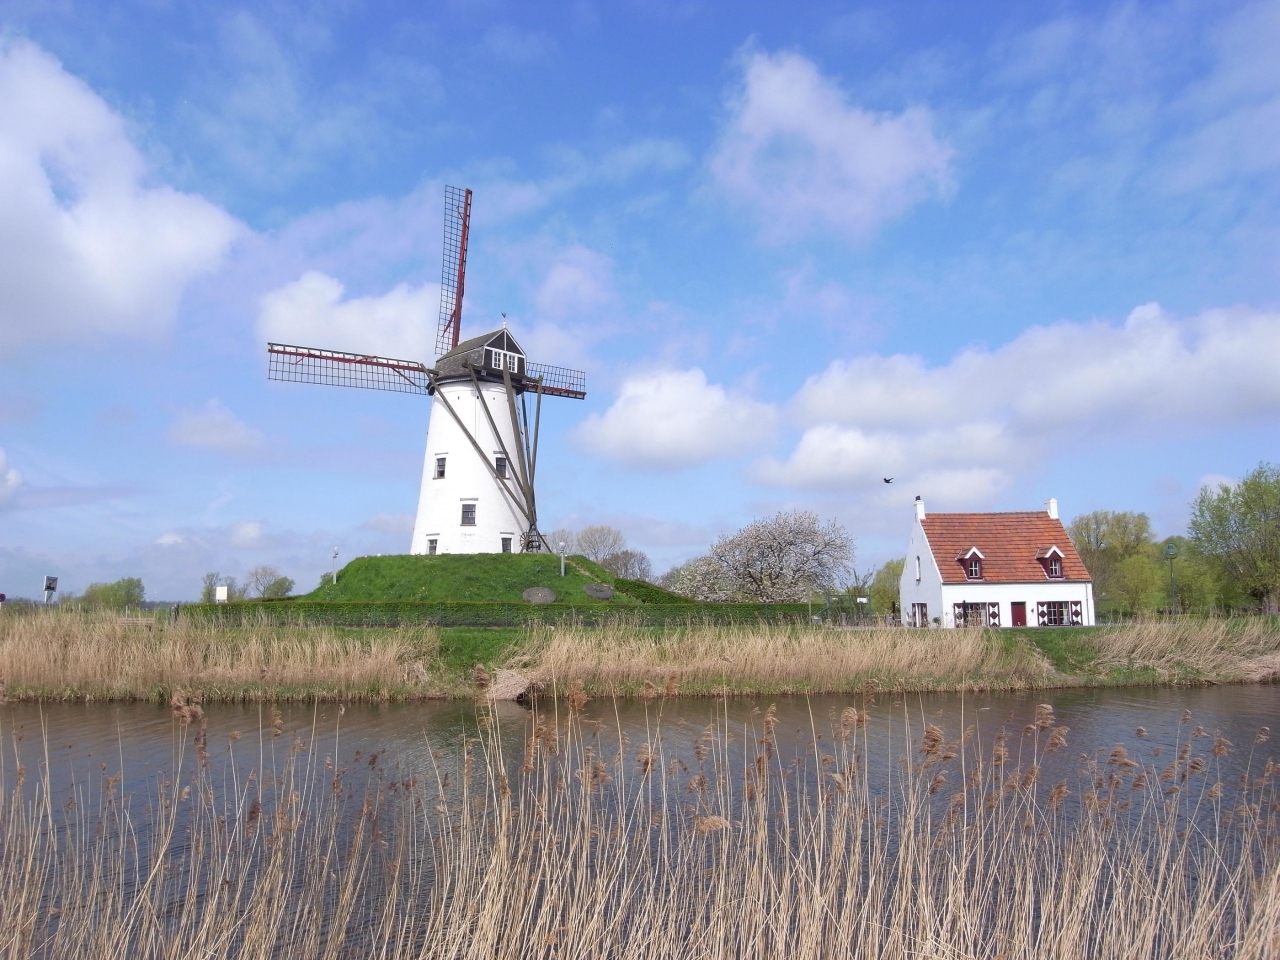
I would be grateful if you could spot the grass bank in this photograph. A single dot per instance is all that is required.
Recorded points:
(575, 845)
(64, 655)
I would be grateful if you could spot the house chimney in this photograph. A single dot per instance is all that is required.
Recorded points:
(919, 509)
(1051, 508)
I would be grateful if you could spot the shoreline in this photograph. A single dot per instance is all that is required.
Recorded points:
(102, 659)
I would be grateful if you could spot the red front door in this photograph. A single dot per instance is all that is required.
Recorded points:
(1018, 613)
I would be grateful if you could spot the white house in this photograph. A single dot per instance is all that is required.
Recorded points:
(994, 570)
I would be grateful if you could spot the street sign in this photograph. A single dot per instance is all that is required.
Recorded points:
(51, 584)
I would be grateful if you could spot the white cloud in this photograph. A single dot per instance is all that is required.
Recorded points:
(800, 156)
(674, 418)
(578, 282)
(85, 245)
(311, 312)
(170, 540)
(988, 415)
(214, 427)
(246, 533)
(10, 479)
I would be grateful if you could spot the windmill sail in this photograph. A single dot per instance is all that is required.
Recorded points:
(457, 228)
(333, 367)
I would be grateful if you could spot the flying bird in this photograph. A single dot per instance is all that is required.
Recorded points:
(888, 479)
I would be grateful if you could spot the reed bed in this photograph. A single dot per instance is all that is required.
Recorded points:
(69, 655)
(623, 659)
(584, 845)
(1237, 649)
(60, 655)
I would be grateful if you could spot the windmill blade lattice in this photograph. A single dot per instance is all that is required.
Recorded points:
(335, 368)
(457, 228)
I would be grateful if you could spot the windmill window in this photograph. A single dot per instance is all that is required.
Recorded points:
(500, 468)
(468, 514)
(431, 546)
(506, 544)
(439, 474)
(973, 568)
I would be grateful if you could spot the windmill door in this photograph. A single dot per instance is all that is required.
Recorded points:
(1018, 613)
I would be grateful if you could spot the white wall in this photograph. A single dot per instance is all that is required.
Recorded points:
(1007, 593)
(467, 479)
(928, 589)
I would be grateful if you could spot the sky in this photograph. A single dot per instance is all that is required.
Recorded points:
(997, 252)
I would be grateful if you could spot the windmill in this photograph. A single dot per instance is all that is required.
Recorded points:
(477, 493)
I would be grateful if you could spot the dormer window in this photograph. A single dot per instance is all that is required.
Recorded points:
(502, 359)
(1051, 559)
(971, 562)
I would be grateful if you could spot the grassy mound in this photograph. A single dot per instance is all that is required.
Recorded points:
(487, 577)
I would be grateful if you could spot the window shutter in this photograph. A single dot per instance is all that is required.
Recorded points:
(993, 614)
(1042, 613)
(1077, 613)
(957, 614)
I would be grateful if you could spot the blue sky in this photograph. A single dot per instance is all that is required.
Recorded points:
(998, 253)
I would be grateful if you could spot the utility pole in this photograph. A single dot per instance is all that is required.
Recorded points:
(1171, 554)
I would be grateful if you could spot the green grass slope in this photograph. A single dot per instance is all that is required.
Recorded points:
(493, 577)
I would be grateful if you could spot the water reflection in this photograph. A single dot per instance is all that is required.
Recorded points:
(143, 743)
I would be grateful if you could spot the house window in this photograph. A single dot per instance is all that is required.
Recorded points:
(439, 475)
(973, 568)
(468, 514)
(1055, 567)
(1053, 613)
(500, 467)
(919, 615)
(431, 547)
(917, 569)
(506, 544)
(976, 614)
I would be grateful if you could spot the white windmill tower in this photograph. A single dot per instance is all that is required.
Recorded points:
(477, 492)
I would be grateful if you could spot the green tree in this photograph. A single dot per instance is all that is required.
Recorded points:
(209, 587)
(1239, 527)
(326, 580)
(120, 595)
(1105, 539)
(1137, 583)
(884, 586)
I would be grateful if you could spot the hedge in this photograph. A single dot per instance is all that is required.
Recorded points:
(647, 592)
(479, 614)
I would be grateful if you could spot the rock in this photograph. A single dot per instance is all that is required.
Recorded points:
(598, 591)
(539, 595)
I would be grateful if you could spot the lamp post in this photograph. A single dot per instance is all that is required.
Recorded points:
(562, 558)
(333, 572)
(1171, 554)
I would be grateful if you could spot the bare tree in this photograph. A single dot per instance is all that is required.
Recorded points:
(628, 564)
(269, 582)
(596, 543)
(783, 558)
(565, 536)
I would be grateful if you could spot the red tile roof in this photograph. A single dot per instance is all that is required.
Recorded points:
(1008, 542)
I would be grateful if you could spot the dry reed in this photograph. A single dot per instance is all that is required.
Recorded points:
(623, 659)
(62, 655)
(589, 847)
